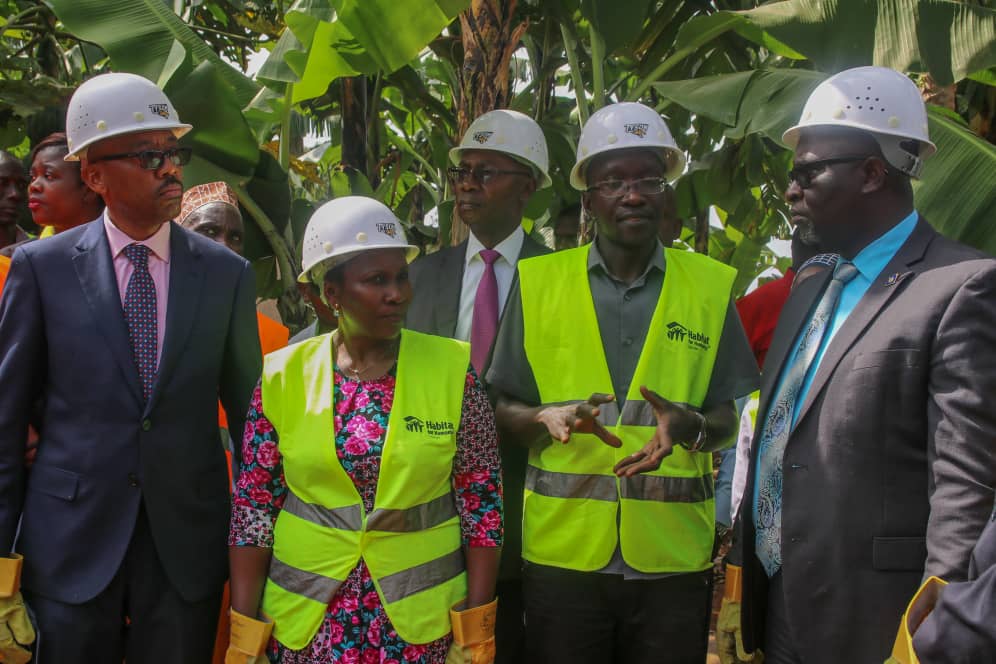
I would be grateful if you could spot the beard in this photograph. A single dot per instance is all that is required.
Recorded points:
(808, 234)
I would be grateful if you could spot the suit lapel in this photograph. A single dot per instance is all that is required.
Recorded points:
(448, 285)
(794, 316)
(186, 275)
(94, 267)
(894, 277)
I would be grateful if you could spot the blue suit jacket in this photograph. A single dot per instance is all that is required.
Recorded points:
(64, 343)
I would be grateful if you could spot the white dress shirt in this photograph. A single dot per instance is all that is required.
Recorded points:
(473, 270)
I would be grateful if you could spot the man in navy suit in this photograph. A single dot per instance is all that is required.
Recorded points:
(127, 330)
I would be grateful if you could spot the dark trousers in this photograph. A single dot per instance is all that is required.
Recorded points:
(778, 641)
(510, 630)
(161, 625)
(591, 618)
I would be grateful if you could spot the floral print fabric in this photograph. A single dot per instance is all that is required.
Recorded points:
(356, 629)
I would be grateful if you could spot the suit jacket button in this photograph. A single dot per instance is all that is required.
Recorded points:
(132, 479)
(146, 424)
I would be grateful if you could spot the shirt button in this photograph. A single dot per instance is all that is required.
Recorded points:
(627, 342)
(132, 479)
(627, 297)
(146, 424)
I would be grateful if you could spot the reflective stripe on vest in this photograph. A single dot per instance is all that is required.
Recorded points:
(411, 540)
(602, 487)
(575, 509)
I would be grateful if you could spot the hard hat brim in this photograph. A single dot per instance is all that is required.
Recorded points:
(411, 253)
(672, 156)
(179, 130)
(791, 135)
(543, 180)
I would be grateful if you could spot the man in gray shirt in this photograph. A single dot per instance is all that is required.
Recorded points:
(618, 542)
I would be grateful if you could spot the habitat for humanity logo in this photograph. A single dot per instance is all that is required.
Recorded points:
(482, 136)
(162, 110)
(638, 129)
(387, 229)
(432, 427)
(678, 332)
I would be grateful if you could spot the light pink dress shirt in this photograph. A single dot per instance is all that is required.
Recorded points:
(158, 245)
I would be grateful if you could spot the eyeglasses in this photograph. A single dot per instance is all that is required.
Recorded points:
(804, 173)
(482, 176)
(153, 159)
(618, 188)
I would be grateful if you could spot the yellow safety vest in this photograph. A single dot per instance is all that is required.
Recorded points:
(666, 518)
(411, 539)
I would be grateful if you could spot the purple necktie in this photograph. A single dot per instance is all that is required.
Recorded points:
(140, 313)
(484, 325)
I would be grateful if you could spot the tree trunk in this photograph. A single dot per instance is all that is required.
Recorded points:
(354, 123)
(489, 40)
(702, 232)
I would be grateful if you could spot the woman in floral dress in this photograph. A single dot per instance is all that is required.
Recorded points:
(370, 292)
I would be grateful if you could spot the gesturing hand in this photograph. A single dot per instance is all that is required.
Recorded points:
(674, 423)
(582, 416)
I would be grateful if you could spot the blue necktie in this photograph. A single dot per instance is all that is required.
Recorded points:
(778, 424)
(140, 313)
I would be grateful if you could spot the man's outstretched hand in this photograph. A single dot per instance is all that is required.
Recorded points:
(674, 424)
(581, 416)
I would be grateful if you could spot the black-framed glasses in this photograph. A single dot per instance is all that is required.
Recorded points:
(153, 159)
(618, 188)
(803, 174)
(482, 176)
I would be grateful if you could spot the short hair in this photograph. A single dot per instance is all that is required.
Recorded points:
(54, 140)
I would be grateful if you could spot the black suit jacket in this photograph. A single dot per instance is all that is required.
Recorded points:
(103, 452)
(437, 280)
(889, 471)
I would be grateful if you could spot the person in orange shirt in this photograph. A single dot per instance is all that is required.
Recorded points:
(4, 267)
(212, 210)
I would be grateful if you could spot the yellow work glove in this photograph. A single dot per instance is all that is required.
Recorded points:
(473, 635)
(919, 608)
(729, 637)
(249, 637)
(16, 632)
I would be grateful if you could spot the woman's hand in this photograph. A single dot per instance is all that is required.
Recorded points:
(582, 417)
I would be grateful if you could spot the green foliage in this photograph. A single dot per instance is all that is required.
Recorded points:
(730, 77)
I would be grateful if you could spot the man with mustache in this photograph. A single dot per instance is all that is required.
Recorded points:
(617, 365)
(125, 511)
(872, 460)
(461, 291)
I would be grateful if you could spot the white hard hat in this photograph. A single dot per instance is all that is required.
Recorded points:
(623, 126)
(346, 226)
(878, 100)
(114, 104)
(509, 132)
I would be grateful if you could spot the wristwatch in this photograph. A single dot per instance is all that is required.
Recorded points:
(700, 440)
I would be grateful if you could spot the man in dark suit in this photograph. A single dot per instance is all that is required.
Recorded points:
(961, 624)
(128, 329)
(872, 464)
(500, 162)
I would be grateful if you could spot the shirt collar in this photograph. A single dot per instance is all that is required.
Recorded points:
(158, 244)
(509, 248)
(595, 260)
(871, 260)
